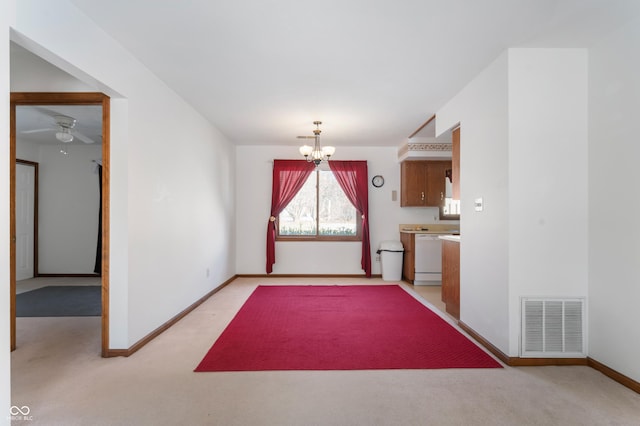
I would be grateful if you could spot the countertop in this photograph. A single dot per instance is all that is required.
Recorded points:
(440, 229)
(429, 231)
(454, 238)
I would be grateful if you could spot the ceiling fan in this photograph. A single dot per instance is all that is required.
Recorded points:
(65, 131)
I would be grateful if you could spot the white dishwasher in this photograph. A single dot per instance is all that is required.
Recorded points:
(428, 259)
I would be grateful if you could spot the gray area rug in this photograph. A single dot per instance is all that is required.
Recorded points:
(60, 301)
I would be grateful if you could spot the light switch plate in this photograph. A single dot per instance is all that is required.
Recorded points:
(479, 204)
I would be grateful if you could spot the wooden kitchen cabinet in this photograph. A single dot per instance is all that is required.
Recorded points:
(455, 163)
(408, 262)
(451, 277)
(413, 183)
(436, 176)
(422, 183)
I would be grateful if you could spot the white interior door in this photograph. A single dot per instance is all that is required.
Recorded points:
(25, 205)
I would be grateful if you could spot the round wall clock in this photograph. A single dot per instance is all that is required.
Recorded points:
(377, 181)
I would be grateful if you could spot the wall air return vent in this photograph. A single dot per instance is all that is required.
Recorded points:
(552, 328)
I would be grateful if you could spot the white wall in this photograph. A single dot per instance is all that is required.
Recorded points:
(614, 249)
(119, 223)
(27, 151)
(173, 175)
(254, 178)
(523, 150)
(548, 235)
(69, 204)
(481, 109)
(6, 18)
(30, 73)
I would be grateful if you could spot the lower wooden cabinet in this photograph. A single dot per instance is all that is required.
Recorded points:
(451, 277)
(408, 263)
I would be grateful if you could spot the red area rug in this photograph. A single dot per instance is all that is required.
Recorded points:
(339, 328)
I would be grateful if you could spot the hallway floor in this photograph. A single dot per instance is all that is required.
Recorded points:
(58, 373)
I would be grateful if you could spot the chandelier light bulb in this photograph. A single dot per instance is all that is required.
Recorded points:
(328, 150)
(306, 150)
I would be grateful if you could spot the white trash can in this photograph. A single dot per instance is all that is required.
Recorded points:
(391, 254)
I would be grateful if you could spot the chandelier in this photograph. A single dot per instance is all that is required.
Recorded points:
(316, 153)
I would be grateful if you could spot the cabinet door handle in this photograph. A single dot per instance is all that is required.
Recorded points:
(441, 196)
(422, 195)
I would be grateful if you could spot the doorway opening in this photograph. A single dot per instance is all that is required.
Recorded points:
(41, 100)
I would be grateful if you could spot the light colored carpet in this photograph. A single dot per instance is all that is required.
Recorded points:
(57, 372)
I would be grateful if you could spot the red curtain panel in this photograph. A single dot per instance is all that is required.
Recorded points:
(288, 177)
(354, 181)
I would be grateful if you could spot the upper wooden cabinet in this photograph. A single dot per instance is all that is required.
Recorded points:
(413, 183)
(423, 183)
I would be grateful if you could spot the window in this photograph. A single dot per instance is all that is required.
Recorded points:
(320, 211)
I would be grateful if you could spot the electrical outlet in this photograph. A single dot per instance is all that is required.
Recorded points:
(377, 258)
(208, 272)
